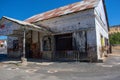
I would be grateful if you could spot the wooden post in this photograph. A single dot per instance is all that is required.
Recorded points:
(23, 59)
(38, 44)
(24, 36)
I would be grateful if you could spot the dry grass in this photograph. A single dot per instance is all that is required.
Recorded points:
(116, 47)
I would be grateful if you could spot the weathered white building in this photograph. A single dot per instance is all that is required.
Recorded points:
(74, 32)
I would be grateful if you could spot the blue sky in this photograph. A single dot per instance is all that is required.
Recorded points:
(22, 9)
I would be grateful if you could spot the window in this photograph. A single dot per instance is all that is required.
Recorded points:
(46, 43)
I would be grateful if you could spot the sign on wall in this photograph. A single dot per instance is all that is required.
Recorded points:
(7, 27)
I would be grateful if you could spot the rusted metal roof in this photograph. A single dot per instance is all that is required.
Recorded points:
(75, 7)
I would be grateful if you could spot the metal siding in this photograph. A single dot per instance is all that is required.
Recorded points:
(75, 7)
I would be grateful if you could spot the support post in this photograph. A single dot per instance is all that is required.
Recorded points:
(24, 32)
(23, 59)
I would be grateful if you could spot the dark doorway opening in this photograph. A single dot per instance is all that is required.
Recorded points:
(63, 42)
(71, 47)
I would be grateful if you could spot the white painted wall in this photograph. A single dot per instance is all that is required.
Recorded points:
(101, 25)
(9, 26)
(71, 22)
(74, 22)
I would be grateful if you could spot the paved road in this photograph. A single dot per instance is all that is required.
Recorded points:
(109, 70)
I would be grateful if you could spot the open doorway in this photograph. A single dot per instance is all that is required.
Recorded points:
(63, 42)
(72, 46)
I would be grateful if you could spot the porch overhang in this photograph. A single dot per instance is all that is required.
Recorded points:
(10, 26)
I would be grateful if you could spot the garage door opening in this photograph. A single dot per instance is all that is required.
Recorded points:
(64, 42)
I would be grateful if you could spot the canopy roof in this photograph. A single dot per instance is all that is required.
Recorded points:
(9, 26)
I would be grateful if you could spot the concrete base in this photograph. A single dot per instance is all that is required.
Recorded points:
(23, 61)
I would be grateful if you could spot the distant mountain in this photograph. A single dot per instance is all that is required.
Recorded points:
(114, 29)
(114, 34)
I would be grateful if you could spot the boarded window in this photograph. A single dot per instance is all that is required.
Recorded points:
(46, 43)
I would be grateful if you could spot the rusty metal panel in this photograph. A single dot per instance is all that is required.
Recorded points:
(75, 7)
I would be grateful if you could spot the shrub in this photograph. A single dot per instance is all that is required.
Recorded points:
(115, 38)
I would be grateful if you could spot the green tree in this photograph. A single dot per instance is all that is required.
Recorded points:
(115, 38)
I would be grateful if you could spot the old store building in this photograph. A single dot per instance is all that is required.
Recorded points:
(74, 32)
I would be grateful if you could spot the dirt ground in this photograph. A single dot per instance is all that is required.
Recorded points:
(108, 70)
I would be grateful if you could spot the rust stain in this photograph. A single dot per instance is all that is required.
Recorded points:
(75, 7)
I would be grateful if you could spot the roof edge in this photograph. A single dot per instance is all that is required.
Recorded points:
(71, 8)
(63, 15)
